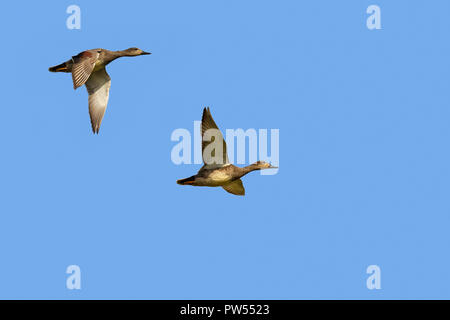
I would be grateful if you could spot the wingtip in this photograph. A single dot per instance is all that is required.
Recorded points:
(95, 130)
(206, 111)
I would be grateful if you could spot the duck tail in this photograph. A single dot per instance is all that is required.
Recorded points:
(59, 68)
(186, 181)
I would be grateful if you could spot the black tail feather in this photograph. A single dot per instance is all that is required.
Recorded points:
(59, 68)
(189, 180)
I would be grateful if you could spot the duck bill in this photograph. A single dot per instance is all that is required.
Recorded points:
(145, 53)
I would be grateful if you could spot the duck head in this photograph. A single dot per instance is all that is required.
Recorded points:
(263, 165)
(135, 52)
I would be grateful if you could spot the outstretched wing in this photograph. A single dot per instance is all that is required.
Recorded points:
(235, 187)
(210, 132)
(83, 65)
(98, 88)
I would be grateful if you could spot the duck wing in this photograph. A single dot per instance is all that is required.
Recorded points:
(83, 65)
(235, 187)
(212, 142)
(98, 88)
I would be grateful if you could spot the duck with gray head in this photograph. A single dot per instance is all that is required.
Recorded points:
(88, 67)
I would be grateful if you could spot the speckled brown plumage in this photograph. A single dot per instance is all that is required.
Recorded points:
(88, 68)
(219, 173)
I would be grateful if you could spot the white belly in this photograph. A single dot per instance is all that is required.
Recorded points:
(219, 178)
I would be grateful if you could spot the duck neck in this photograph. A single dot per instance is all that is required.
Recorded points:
(123, 53)
(249, 169)
(113, 55)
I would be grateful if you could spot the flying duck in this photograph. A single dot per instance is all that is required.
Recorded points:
(88, 67)
(217, 170)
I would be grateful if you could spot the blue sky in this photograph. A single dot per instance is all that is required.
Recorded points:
(364, 159)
